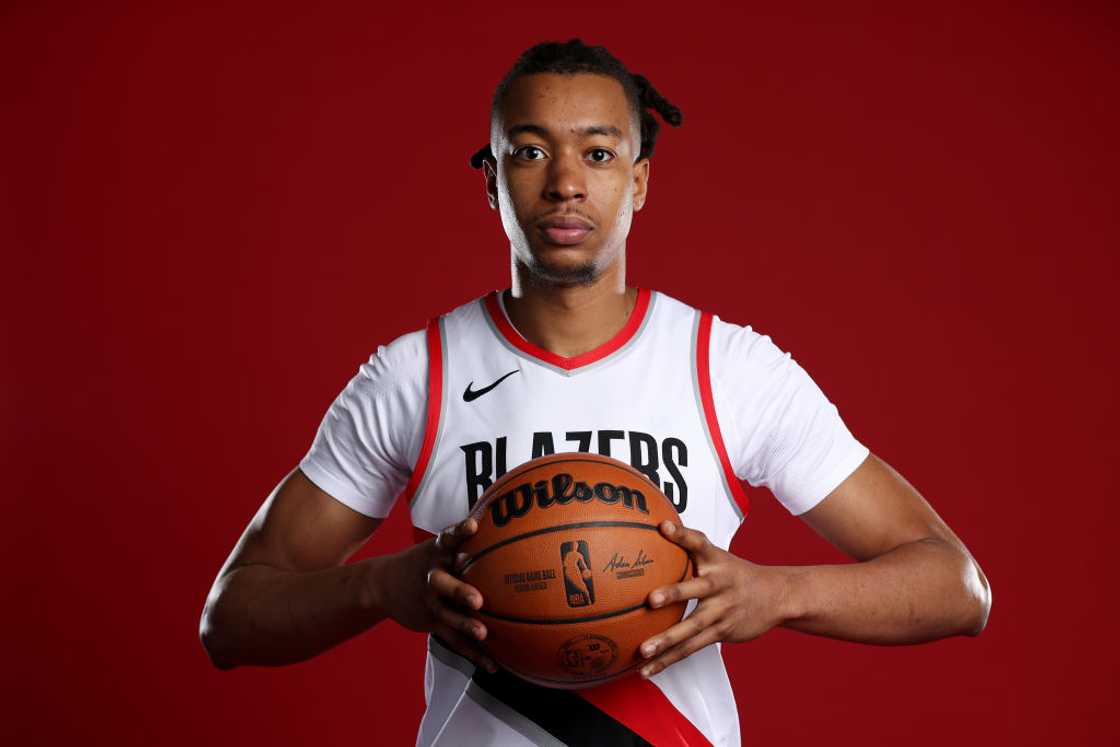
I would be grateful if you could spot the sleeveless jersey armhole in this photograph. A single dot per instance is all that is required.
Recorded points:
(433, 420)
(702, 380)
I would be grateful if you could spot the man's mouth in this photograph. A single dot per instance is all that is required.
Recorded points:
(565, 230)
(565, 236)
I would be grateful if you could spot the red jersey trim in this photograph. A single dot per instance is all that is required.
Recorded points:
(501, 323)
(641, 707)
(435, 400)
(703, 371)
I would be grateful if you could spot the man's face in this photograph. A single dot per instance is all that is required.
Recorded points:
(566, 184)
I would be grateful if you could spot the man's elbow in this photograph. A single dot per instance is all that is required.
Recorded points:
(209, 634)
(979, 594)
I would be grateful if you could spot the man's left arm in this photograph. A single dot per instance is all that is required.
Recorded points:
(914, 581)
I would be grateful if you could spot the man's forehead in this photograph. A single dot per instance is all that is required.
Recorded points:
(535, 128)
(581, 104)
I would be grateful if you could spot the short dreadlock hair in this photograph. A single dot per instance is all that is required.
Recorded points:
(572, 57)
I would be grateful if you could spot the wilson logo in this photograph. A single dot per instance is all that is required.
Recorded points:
(560, 490)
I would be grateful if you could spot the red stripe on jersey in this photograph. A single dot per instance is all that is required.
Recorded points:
(435, 399)
(703, 373)
(421, 535)
(624, 335)
(640, 706)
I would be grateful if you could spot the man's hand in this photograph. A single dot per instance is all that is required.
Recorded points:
(422, 593)
(739, 600)
(914, 580)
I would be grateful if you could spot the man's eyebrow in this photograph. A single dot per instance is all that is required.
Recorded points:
(536, 129)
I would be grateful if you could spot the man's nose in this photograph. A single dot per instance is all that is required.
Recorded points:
(565, 179)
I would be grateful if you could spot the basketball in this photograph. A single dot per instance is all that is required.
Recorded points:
(566, 553)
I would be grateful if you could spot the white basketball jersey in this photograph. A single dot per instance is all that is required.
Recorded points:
(693, 403)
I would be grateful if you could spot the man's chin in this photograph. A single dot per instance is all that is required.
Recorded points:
(545, 272)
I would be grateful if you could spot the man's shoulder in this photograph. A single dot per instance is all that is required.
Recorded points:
(406, 356)
(469, 311)
(735, 347)
(405, 352)
(739, 335)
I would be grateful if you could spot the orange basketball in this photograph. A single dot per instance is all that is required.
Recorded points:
(566, 553)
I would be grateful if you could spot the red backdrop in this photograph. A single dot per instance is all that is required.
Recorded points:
(211, 217)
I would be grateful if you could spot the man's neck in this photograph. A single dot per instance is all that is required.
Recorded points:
(571, 320)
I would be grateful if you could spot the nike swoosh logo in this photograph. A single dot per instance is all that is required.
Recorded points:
(470, 396)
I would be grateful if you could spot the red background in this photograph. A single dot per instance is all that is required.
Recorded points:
(211, 217)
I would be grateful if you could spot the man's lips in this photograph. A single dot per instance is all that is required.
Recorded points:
(565, 236)
(565, 230)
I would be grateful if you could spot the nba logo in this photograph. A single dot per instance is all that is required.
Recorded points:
(575, 559)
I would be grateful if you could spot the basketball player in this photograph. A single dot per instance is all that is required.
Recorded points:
(570, 358)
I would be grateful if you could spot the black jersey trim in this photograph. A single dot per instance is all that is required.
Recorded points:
(562, 713)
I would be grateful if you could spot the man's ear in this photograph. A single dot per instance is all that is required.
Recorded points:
(490, 174)
(641, 183)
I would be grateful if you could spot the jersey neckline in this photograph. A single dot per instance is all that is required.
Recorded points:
(495, 310)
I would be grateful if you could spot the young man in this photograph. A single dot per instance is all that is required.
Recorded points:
(571, 359)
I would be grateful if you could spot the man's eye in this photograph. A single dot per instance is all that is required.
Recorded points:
(607, 155)
(528, 149)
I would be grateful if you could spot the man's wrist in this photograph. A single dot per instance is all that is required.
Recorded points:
(371, 587)
(791, 597)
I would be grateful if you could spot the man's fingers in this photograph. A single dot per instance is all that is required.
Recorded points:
(466, 648)
(705, 637)
(694, 588)
(692, 625)
(448, 587)
(468, 626)
(450, 591)
(452, 537)
(696, 542)
(461, 559)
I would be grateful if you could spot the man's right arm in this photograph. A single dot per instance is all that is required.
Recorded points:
(286, 594)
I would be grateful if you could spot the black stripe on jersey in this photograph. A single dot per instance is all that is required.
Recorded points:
(561, 713)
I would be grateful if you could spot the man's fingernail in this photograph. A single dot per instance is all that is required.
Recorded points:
(648, 649)
(671, 528)
(646, 671)
(656, 599)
